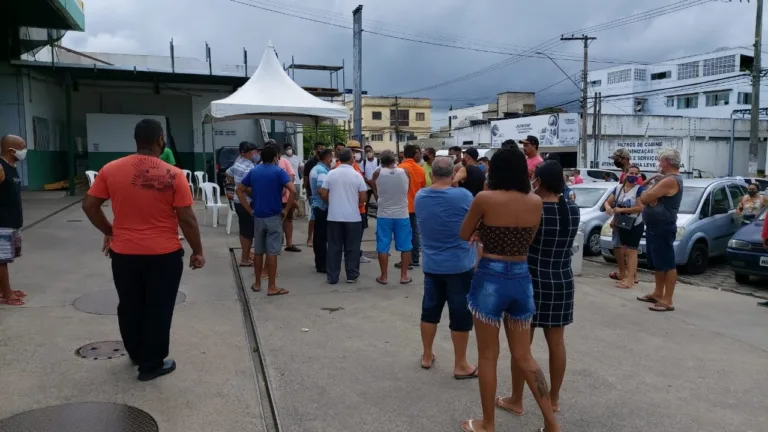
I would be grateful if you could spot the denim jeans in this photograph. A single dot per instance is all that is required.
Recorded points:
(502, 288)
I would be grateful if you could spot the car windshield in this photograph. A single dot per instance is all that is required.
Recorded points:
(227, 155)
(588, 197)
(691, 199)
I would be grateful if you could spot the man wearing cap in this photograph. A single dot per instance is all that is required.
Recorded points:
(243, 164)
(621, 160)
(531, 150)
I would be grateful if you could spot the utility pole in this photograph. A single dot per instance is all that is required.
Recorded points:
(594, 130)
(584, 91)
(397, 127)
(357, 69)
(754, 118)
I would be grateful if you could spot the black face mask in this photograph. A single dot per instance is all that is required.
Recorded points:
(617, 163)
(752, 193)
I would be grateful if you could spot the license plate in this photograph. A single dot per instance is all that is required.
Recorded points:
(764, 261)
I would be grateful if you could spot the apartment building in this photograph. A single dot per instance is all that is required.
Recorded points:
(384, 117)
(708, 85)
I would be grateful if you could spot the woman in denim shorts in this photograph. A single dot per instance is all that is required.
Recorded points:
(505, 219)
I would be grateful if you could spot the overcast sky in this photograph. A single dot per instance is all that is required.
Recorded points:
(392, 66)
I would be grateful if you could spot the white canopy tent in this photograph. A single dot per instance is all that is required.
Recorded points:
(271, 94)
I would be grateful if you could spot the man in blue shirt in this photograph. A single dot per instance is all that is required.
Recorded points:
(267, 182)
(317, 176)
(448, 264)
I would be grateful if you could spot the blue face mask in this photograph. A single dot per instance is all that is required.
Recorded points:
(632, 179)
(256, 158)
(482, 167)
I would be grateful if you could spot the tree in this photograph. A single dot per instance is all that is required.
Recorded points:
(328, 134)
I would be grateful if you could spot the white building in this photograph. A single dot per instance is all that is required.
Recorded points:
(460, 118)
(708, 85)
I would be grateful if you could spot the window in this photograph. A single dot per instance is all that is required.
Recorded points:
(687, 102)
(661, 75)
(619, 76)
(720, 202)
(719, 65)
(670, 103)
(744, 98)
(736, 193)
(717, 99)
(399, 117)
(595, 83)
(420, 116)
(376, 115)
(688, 70)
(641, 74)
(224, 133)
(377, 137)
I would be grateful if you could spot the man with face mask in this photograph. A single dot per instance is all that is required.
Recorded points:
(311, 163)
(12, 150)
(429, 157)
(662, 199)
(357, 155)
(249, 157)
(296, 164)
(150, 200)
(621, 160)
(370, 165)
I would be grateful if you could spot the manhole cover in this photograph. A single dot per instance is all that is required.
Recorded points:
(81, 417)
(104, 350)
(104, 302)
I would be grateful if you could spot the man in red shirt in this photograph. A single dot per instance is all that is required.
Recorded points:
(621, 160)
(531, 150)
(150, 200)
(577, 177)
(416, 181)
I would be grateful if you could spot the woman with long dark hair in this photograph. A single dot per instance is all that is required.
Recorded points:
(549, 261)
(505, 218)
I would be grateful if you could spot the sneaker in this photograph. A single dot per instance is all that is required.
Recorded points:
(410, 266)
(168, 367)
(352, 280)
(364, 259)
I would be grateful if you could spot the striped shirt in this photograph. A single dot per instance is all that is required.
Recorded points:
(238, 170)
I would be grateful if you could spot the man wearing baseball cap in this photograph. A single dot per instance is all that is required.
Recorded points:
(621, 160)
(531, 150)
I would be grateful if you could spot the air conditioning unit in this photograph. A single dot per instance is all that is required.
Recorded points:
(639, 106)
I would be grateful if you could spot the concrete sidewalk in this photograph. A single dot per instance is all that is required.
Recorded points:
(214, 388)
(630, 369)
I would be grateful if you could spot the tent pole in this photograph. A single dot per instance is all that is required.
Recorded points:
(213, 150)
(203, 153)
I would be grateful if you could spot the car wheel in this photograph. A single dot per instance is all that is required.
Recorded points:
(741, 278)
(592, 243)
(698, 259)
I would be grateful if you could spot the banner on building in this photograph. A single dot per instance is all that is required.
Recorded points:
(553, 130)
(643, 152)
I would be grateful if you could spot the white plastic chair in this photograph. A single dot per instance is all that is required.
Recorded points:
(201, 178)
(230, 213)
(188, 176)
(91, 177)
(212, 200)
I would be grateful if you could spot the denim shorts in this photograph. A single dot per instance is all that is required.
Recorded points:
(499, 289)
(450, 288)
(386, 228)
(660, 245)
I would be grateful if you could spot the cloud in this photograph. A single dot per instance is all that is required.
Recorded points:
(391, 65)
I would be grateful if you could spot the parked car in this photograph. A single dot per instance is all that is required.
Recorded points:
(706, 221)
(225, 158)
(590, 198)
(746, 253)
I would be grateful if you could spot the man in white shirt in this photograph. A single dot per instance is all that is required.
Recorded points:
(345, 190)
(296, 164)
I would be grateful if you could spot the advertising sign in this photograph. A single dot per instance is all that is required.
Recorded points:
(643, 152)
(553, 130)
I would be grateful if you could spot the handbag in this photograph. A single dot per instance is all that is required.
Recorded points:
(625, 221)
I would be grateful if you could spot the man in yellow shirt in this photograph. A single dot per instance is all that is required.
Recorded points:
(429, 157)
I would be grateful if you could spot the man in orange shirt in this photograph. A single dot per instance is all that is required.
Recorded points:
(150, 200)
(416, 181)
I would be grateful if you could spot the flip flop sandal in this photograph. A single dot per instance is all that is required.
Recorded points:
(499, 402)
(14, 302)
(648, 299)
(280, 292)
(660, 307)
(430, 363)
(246, 263)
(614, 276)
(266, 276)
(381, 281)
(253, 288)
(466, 377)
(292, 249)
(20, 293)
(406, 282)
(470, 426)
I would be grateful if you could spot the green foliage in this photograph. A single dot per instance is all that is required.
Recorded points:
(325, 133)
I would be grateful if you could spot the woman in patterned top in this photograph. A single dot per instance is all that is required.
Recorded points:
(549, 260)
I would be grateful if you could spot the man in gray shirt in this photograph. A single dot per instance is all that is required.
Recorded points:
(390, 187)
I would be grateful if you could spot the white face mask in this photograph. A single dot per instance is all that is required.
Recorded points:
(289, 152)
(358, 157)
(20, 155)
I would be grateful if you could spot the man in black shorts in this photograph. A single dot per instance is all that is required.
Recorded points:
(242, 166)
